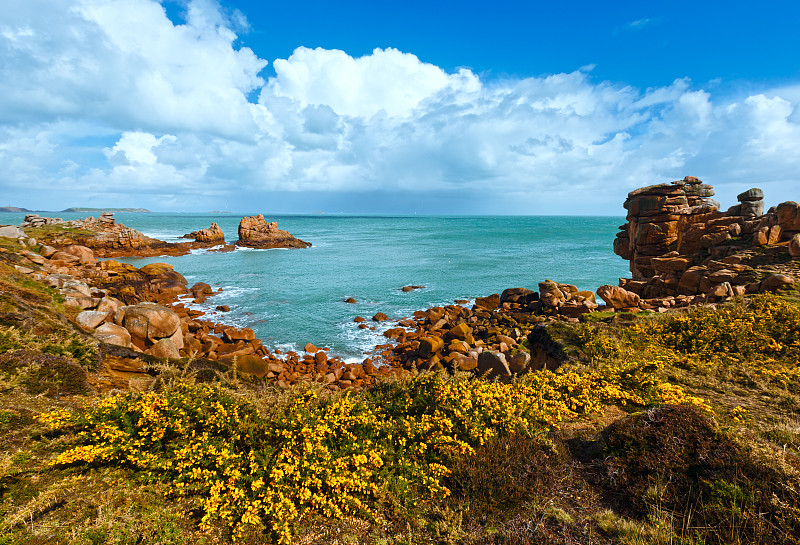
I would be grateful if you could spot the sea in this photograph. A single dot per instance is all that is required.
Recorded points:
(292, 297)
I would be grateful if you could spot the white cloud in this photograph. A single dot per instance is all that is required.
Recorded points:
(111, 97)
(387, 80)
(124, 64)
(137, 148)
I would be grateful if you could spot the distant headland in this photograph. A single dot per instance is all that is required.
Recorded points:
(17, 209)
(91, 210)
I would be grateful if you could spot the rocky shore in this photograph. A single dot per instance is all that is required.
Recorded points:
(107, 238)
(683, 251)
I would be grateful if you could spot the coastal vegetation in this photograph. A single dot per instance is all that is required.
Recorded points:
(661, 428)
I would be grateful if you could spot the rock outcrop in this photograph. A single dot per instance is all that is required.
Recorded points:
(665, 218)
(255, 232)
(683, 250)
(107, 238)
(211, 235)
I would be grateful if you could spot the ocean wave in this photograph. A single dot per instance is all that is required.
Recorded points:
(166, 236)
(246, 249)
(200, 251)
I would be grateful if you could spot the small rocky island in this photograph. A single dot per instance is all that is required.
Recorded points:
(211, 235)
(255, 232)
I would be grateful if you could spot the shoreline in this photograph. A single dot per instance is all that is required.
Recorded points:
(500, 335)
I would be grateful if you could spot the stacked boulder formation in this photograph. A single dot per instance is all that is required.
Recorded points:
(255, 232)
(683, 249)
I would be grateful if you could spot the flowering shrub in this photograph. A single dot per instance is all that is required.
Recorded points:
(756, 338)
(332, 455)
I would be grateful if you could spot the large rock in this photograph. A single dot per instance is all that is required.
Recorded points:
(518, 362)
(113, 334)
(212, 235)
(164, 348)
(255, 232)
(429, 346)
(518, 295)
(754, 194)
(618, 297)
(252, 365)
(789, 216)
(65, 257)
(775, 282)
(84, 254)
(550, 294)
(751, 209)
(109, 304)
(149, 321)
(11, 231)
(90, 319)
(794, 246)
(233, 334)
(492, 364)
(490, 302)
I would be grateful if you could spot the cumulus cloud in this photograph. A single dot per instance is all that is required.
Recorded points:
(111, 98)
(123, 63)
(386, 81)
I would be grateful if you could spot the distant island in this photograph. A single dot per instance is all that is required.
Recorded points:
(90, 210)
(13, 209)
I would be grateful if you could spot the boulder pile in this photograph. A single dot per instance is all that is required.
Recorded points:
(104, 236)
(142, 311)
(499, 337)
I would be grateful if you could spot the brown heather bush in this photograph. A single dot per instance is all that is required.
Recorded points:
(674, 459)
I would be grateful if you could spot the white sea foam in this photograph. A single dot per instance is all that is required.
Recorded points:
(200, 251)
(238, 316)
(166, 236)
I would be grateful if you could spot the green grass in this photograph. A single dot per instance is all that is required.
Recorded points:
(51, 232)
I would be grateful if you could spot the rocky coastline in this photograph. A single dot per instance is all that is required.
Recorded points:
(107, 238)
(683, 252)
(696, 399)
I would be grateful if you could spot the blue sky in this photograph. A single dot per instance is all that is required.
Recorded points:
(447, 107)
(643, 43)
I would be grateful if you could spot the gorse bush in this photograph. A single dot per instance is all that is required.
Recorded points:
(757, 338)
(766, 325)
(254, 470)
(754, 338)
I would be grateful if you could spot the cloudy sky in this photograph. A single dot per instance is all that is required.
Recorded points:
(393, 107)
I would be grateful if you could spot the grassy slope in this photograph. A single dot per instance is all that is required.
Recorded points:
(622, 475)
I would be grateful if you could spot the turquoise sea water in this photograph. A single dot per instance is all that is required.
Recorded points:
(290, 297)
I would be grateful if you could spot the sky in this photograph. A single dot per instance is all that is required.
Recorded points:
(394, 107)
